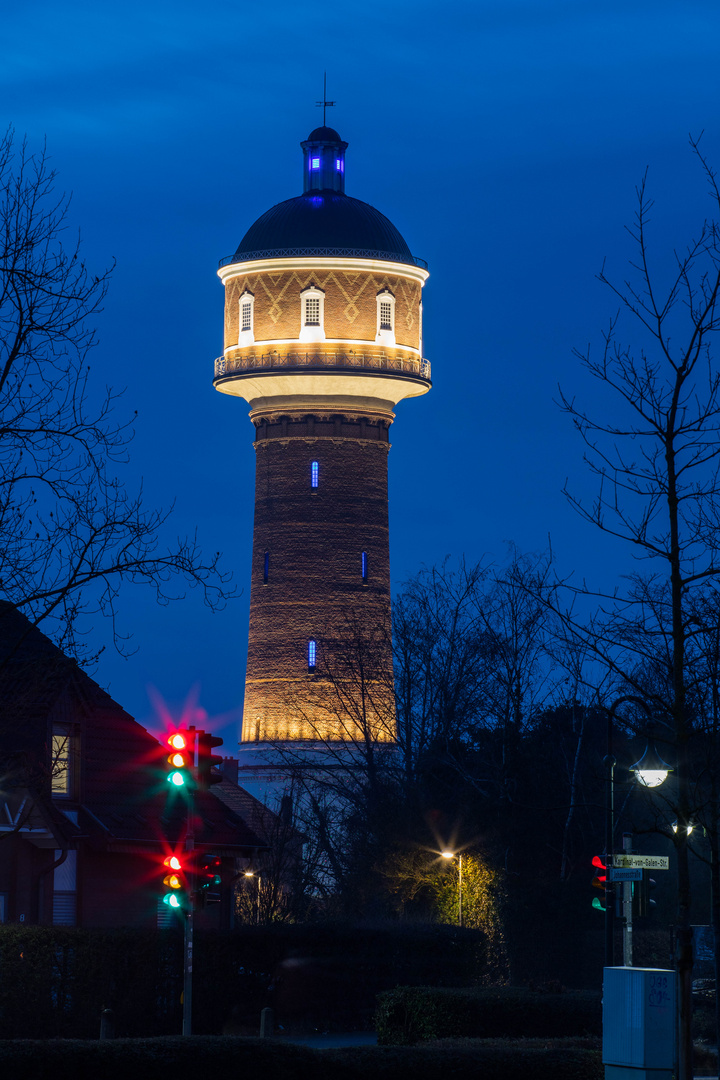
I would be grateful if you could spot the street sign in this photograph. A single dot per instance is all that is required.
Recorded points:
(626, 875)
(646, 862)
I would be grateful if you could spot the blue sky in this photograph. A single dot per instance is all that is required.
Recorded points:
(504, 138)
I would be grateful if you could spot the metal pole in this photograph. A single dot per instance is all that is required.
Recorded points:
(609, 829)
(188, 937)
(627, 908)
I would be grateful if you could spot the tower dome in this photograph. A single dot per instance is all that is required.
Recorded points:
(324, 220)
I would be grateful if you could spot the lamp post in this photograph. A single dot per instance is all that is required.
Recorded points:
(251, 874)
(451, 855)
(650, 771)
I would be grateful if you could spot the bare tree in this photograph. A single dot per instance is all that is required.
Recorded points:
(70, 533)
(656, 459)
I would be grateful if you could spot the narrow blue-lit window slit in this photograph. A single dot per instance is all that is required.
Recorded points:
(312, 654)
(364, 567)
(314, 475)
(266, 568)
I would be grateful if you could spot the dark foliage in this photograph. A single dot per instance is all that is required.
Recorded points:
(55, 982)
(187, 1058)
(411, 1014)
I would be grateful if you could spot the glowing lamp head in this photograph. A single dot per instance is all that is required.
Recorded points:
(171, 900)
(651, 777)
(176, 778)
(651, 770)
(172, 881)
(173, 862)
(177, 741)
(178, 760)
(448, 854)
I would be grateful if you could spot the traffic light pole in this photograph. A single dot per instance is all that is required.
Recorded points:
(609, 829)
(188, 936)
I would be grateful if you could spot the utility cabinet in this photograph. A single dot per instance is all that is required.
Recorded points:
(639, 1021)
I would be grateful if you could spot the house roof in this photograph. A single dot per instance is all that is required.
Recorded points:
(123, 799)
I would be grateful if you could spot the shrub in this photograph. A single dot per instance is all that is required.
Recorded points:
(411, 1014)
(193, 1056)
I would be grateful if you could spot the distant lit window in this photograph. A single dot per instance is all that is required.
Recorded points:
(312, 654)
(312, 311)
(364, 567)
(339, 164)
(385, 315)
(315, 163)
(246, 323)
(61, 763)
(266, 568)
(314, 474)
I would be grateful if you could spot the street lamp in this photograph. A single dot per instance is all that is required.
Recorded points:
(650, 771)
(451, 855)
(251, 874)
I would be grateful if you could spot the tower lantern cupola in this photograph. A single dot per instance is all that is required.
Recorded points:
(324, 164)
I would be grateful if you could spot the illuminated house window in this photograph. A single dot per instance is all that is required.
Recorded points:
(314, 475)
(61, 770)
(246, 333)
(266, 568)
(339, 163)
(385, 318)
(364, 567)
(312, 315)
(312, 655)
(315, 163)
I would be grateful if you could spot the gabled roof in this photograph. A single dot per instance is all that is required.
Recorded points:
(124, 799)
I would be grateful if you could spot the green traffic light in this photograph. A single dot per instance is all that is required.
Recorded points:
(176, 778)
(598, 904)
(171, 900)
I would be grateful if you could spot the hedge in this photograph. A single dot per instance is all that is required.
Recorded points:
(411, 1014)
(193, 1056)
(54, 981)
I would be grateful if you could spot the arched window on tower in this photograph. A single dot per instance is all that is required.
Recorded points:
(312, 654)
(312, 314)
(246, 330)
(385, 318)
(314, 475)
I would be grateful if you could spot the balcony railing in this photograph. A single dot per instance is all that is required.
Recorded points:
(238, 365)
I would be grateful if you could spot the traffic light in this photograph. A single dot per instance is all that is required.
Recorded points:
(176, 894)
(600, 882)
(208, 879)
(180, 759)
(641, 901)
(207, 761)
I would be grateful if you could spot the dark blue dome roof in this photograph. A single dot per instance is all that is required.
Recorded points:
(324, 223)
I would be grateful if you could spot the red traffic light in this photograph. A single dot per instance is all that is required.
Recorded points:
(176, 892)
(179, 759)
(600, 881)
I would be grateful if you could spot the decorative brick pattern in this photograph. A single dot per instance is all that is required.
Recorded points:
(350, 305)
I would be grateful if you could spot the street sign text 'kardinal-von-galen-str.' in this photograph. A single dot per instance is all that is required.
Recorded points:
(646, 862)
